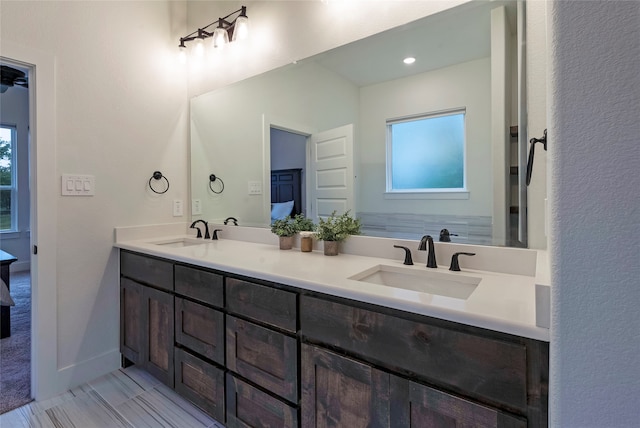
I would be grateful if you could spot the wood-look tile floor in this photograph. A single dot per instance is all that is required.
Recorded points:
(124, 398)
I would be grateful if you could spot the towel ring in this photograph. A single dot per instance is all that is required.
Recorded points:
(213, 179)
(157, 175)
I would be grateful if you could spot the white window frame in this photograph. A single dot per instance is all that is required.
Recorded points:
(14, 179)
(426, 193)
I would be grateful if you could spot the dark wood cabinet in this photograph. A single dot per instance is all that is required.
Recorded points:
(200, 382)
(266, 357)
(340, 391)
(415, 406)
(247, 406)
(157, 322)
(262, 303)
(485, 367)
(253, 353)
(200, 328)
(131, 321)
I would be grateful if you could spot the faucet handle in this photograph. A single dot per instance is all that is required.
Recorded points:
(215, 234)
(407, 254)
(455, 266)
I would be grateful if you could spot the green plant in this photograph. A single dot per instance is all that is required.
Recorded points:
(337, 227)
(303, 224)
(284, 227)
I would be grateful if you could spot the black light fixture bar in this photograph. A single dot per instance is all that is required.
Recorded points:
(224, 23)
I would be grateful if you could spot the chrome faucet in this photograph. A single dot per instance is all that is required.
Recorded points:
(427, 241)
(206, 229)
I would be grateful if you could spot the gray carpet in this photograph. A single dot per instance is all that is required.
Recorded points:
(15, 351)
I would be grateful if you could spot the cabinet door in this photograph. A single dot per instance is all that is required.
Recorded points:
(339, 391)
(157, 315)
(416, 406)
(265, 357)
(131, 328)
(200, 382)
(200, 329)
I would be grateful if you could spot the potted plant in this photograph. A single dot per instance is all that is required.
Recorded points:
(285, 229)
(335, 229)
(306, 228)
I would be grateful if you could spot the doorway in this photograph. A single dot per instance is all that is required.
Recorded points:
(15, 232)
(289, 159)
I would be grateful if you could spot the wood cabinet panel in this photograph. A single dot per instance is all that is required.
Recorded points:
(200, 329)
(148, 270)
(249, 407)
(157, 315)
(416, 406)
(200, 382)
(131, 321)
(480, 367)
(201, 285)
(339, 391)
(263, 304)
(265, 357)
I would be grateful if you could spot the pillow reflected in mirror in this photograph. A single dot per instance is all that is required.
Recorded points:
(280, 210)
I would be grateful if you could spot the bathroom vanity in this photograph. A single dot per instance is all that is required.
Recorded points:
(254, 347)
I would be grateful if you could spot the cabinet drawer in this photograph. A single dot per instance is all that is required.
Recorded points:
(265, 357)
(479, 367)
(199, 284)
(249, 407)
(262, 303)
(200, 329)
(200, 382)
(155, 272)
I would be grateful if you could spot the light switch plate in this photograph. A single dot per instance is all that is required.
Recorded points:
(255, 188)
(178, 208)
(78, 185)
(196, 207)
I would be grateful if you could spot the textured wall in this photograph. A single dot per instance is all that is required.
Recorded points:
(594, 153)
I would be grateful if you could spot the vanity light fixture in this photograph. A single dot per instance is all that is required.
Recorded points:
(227, 29)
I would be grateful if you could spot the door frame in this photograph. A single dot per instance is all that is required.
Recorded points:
(44, 193)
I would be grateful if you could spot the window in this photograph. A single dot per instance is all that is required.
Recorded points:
(426, 154)
(8, 189)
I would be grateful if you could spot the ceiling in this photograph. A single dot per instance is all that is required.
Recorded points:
(451, 37)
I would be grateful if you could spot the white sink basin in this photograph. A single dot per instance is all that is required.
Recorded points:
(181, 242)
(425, 281)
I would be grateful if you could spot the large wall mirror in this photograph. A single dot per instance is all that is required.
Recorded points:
(315, 131)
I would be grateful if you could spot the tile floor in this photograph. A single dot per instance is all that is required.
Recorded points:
(124, 398)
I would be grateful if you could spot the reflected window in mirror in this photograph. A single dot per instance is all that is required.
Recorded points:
(426, 153)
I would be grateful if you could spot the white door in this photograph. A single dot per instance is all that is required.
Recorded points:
(330, 173)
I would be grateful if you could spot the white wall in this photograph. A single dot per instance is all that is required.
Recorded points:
(594, 136)
(119, 114)
(14, 111)
(463, 85)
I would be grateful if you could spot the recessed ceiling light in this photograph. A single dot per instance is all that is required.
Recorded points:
(409, 60)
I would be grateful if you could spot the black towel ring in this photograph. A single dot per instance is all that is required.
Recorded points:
(213, 179)
(157, 175)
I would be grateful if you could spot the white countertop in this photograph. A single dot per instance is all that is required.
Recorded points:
(501, 302)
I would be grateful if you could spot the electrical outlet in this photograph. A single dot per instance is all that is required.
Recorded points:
(196, 207)
(255, 188)
(177, 208)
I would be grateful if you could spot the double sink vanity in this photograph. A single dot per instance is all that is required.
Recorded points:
(257, 336)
